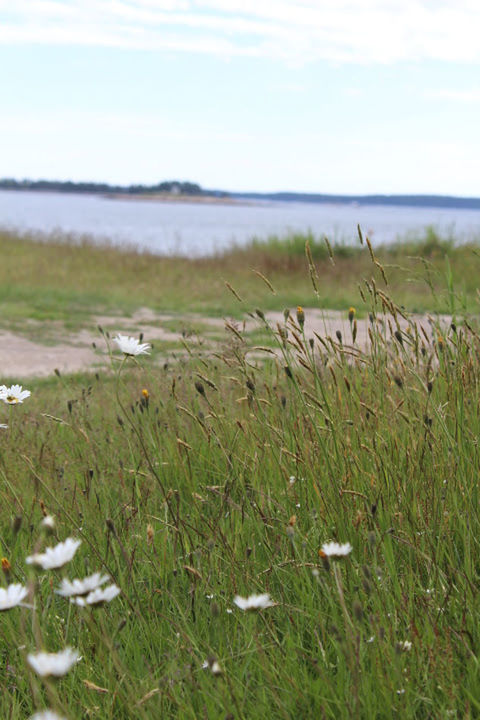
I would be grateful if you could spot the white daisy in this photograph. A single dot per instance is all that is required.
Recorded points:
(405, 645)
(47, 715)
(55, 557)
(81, 587)
(333, 549)
(56, 664)
(131, 346)
(98, 596)
(12, 596)
(253, 602)
(14, 394)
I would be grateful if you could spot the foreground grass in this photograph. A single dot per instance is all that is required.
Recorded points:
(69, 282)
(228, 479)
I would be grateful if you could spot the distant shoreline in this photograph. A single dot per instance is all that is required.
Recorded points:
(186, 192)
(173, 198)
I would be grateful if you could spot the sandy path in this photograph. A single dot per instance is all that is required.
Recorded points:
(21, 358)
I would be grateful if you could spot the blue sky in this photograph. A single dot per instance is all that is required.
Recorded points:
(308, 95)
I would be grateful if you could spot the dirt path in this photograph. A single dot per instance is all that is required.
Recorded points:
(21, 358)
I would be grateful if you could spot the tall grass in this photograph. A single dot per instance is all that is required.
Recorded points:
(227, 476)
(69, 281)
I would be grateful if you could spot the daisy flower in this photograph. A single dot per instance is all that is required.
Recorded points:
(334, 549)
(55, 557)
(253, 602)
(14, 394)
(97, 597)
(131, 346)
(81, 587)
(47, 715)
(56, 664)
(12, 596)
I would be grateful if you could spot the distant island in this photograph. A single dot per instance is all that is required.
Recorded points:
(180, 191)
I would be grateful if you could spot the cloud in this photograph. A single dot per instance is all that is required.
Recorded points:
(470, 95)
(293, 31)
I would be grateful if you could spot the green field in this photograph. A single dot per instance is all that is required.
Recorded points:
(228, 475)
(68, 281)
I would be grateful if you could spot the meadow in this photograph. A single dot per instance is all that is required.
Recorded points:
(219, 475)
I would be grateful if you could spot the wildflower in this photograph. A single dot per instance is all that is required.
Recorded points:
(351, 313)
(48, 523)
(214, 666)
(12, 596)
(300, 316)
(145, 393)
(6, 565)
(81, 587)
(130, 346)
(3, 426)
(253, 602)
(98, 596)
(47, 715)
(333, 549)
(55, 557)
(404, 646)
(13, 394)
(56, 664)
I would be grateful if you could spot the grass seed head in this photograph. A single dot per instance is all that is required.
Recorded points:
(16, 524)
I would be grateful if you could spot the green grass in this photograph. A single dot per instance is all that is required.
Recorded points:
(229, 480)
(70, 282)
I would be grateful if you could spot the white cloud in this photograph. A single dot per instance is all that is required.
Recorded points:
(471, 95)
(296, 31)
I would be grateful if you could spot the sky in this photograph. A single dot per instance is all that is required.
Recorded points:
(328, 96)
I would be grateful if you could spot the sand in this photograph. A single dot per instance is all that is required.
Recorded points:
(22, 358)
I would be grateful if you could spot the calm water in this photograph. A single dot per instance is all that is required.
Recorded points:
(195, 229)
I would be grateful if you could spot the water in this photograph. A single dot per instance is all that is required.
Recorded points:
(202, 229)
